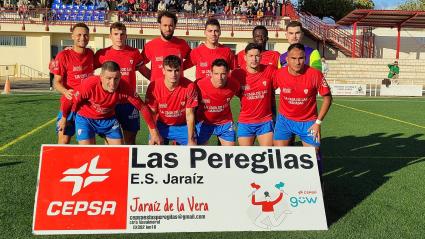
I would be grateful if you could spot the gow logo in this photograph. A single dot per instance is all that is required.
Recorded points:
(76, 176)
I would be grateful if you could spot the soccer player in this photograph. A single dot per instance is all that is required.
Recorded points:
(95, 102)
(129, 60)
(255, 118)
(173, 100)
(295, 34)
(157, 49)
(299, 85)
(72, 67)
(214, 114)
(207, 52)
(260, 36)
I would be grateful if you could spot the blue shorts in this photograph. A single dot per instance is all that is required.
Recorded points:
(70, 128)
(128, 117)
(88, 128)
(286, 128)
(255, 129)
(223, 131)
(177, 133)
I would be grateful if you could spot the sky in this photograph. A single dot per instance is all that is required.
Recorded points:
(387, 4)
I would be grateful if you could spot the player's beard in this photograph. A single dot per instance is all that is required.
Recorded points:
(167, 37)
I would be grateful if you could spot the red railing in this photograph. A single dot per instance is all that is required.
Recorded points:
(341, 38)
(135, 19)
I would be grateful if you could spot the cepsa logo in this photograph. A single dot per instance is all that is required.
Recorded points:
(82, 188)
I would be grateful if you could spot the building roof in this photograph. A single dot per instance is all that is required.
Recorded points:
(385, 18)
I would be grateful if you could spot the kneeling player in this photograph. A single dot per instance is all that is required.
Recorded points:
(95, 102)
(173, 99)
(299, 85)
(214, 113)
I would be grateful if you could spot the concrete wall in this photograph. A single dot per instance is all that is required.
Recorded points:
(412, 43)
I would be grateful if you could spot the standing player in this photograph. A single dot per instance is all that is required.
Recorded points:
(203, 56)
(174, 99)
(95, 102)
(71, 68)
(299, 85)
(294, 34)
(157, 49)
(255, 118)
(214, 113)
(129, 60)
(260, 36)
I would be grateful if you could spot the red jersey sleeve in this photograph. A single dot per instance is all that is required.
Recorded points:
(192, 96)
(188, 62)
(322, 85)
(240, 61)
(59, 66)
(150, 98)
(141, 106)
(145, 55)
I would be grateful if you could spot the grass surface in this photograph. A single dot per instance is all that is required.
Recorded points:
(374, 164)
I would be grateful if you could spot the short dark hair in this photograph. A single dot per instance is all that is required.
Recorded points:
(110, 66)
(118, 25)
(296, 45)
(213, 22)
(294, 24)
(80, 24)
(251, 46)
(220, 62)
(172, 61)
(260, 27)
(167, 14)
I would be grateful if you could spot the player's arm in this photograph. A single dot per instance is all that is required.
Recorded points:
(315, 129)
(191, 104)
(190, 121)
(147, 116)
(58, 84)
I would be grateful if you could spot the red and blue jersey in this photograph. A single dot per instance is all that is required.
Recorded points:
(202, 57)
(171, 105)
(214, 103)
(129, 60)
(255, 94)
(73, 67)
(298, 93)
(156, 50)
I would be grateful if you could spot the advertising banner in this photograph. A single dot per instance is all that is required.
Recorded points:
(348, 89)
(148, 189)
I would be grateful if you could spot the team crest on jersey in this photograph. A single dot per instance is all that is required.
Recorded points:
(79, 131)
(227, 99)
(306, 91)
(265, 83)
(183, 103)
(131, 62)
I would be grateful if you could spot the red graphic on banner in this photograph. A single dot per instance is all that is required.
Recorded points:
(82, 188)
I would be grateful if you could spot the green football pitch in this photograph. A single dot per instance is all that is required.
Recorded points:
(374, 152)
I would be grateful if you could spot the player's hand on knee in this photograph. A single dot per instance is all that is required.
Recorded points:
(314, 130)
(68, 94)
(62, 124)
(191, 141)
(156, 138)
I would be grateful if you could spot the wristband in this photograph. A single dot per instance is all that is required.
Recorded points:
(318, 122)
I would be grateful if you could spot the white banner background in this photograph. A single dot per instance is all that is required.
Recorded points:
(227, 192)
